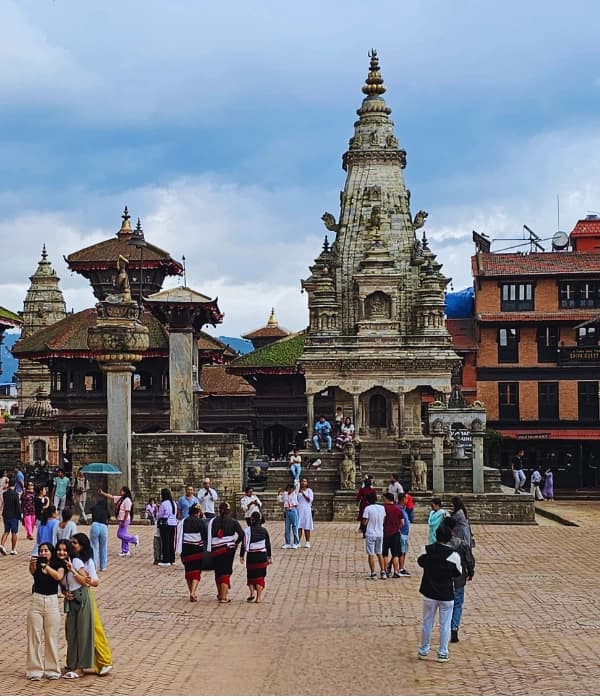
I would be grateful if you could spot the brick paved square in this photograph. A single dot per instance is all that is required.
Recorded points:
(531, 623)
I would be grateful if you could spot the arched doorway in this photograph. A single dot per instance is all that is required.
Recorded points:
(378, 414)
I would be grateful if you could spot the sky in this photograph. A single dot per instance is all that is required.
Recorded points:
(222, 126)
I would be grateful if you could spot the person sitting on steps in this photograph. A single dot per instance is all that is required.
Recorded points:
(322, 432)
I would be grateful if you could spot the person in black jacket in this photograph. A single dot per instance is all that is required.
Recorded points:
(467, 561)
(11, 514)
(441, 565)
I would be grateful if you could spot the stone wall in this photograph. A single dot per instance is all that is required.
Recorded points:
(172, 460)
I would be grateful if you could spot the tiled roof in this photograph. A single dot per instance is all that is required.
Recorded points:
(214, 379)
(280, 357)
(573, 315)
(462, 331)
(104, 254)
(267, 332)
(68, 338)
(9, 318)
(587, 227)
(207, 342)
(534, 264)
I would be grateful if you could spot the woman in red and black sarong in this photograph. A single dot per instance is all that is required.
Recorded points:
(193, 545)
(257, 546)
(225, 535)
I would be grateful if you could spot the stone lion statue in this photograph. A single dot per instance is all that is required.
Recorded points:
(348, 468)
(418, 470)
(330, 223)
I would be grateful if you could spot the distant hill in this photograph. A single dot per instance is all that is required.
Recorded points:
(9, 363)
(238, 344)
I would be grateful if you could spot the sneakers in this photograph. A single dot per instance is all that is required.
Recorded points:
(372, 576)
(163, 563)
(403, 572)
(383, 575)
(13, 551)
(2, 551)
(52, 677)
(307, 545)
(295, 546)
(389, 570)
(137, 540)
(125, 554)
(443, 659)
(397, 575)
(286, 546)
(35, 678)
(421, 656)
(104, 670)
(454, 636)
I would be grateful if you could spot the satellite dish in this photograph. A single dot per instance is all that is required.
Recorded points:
(560, 240)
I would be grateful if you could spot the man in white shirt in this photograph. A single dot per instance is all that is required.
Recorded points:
(536, 480)
(373, 517)
(395, 488)
(207, 497)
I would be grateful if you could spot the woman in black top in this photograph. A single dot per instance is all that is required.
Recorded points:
(257, 547)
(225, 535)
(166, 519)
(99, 534)
(43, 617)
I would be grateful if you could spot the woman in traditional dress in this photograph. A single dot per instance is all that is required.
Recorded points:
(87, 646)
(346, 434)
(305, 518)
(257, 548)
(459, 513)
(225, 535)
(123, 509)
(43, 617)
(549, 484)
(194, 540)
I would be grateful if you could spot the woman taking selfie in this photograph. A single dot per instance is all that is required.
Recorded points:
(43, 618)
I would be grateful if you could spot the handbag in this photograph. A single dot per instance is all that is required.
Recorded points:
(161, 522)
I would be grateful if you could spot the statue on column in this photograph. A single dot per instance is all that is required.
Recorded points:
(121, 280)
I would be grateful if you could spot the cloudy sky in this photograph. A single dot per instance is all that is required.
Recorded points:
(222, 126)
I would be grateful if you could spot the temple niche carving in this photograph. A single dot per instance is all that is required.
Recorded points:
(376, 297)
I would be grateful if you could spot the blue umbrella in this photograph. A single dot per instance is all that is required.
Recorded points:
(100, 468)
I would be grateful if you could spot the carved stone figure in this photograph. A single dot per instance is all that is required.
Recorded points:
(403, 162)
(392, 142)
(121, 280)
(419, 220)
(330, 223)
(375, 218)
(418, 470)
(348, 468)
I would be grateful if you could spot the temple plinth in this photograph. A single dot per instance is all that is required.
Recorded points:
(118, 340)
(184, 312)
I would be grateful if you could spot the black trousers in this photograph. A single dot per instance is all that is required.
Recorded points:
(167, 541)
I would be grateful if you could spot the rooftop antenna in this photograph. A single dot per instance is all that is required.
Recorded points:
(184, 273)
(558, 212)
(533, 239)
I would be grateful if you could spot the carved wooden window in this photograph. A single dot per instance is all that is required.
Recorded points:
(517, 297)
(547, 343)
(508, 345)
(40, 451)
(378, 411)
(587, 394)
(548, 400)
(587, 336)
(508, 400)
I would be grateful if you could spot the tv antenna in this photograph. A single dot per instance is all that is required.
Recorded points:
(534, 240)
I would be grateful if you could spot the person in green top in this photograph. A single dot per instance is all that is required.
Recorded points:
(436, 518)
(61, 484)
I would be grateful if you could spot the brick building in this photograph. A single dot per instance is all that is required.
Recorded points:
(538, 359)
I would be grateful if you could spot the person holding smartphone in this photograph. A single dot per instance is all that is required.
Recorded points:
(208, 499)
(43, 617)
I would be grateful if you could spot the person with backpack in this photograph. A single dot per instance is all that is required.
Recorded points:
(123, 510)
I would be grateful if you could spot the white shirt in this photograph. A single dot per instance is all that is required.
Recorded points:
(395, 488)
(246, 502)
(289, 500)
(207, 500)
(375, 515)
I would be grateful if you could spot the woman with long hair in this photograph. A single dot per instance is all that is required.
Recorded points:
(28, 509)
(99, 533)
(225, 535)
(257, 548)
(346, 434)
(46, 527)
(166, 519)
(43, 617)
(459, 513)
(194, 540)
(41, 502)
(123, 509)
(87, 646)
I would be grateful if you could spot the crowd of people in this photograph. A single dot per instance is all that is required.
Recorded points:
(541, 485)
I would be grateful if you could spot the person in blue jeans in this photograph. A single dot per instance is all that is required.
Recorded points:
(99, 534)
(441, 565)
(289, 501)
(322, 432)
(467, 561)
(296, 468)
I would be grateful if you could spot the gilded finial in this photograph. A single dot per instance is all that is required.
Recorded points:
(126, 225)
(272, 322)
(374, 83)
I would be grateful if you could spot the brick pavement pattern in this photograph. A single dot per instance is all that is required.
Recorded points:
(531, 623)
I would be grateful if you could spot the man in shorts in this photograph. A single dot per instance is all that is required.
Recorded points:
(372, 519)
(11, 515)
(391, 535)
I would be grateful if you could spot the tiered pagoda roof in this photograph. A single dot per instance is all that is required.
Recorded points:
(267, 334)
(280, 357)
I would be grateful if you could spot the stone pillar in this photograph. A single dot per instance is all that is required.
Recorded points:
(181, 393)
(310, 416)
(356, 414)
(478, 479)
(118, 418)
(438, 463)
(400, 414)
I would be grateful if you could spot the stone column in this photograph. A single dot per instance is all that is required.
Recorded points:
(356, 412)
(400, 414)
(118, 418)
(478, 479)
(181, 393)
(310, 415)
(438, 463)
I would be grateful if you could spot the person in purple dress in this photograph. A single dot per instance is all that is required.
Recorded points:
(548, 490)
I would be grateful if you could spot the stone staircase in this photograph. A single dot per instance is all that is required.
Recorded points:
(382, 458)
